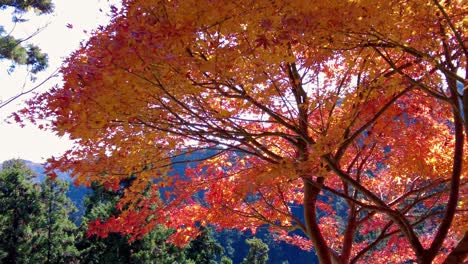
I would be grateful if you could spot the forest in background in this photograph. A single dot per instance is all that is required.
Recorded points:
(45, 221)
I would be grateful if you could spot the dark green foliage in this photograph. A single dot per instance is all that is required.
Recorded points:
(226, 260)
(34, 218)
(112, 249)
(76, 194)
(13, 49)
(152, 248)
(100, 204)
(66, 244)
(233, 241)
(55, 231)
(204, 249)
(258, 253)
(19, 206)
(40, 6)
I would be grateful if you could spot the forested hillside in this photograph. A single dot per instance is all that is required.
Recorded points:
(81, 205)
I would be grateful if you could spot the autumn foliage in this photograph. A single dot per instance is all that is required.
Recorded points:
(358, 103)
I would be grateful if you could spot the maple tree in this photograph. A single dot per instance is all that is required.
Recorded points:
(293, 103)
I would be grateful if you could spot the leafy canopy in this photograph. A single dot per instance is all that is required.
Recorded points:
(290, 103)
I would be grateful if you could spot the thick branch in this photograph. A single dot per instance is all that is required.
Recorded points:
(394, 215)
(459, 253)
(454, 189)
(313, 230)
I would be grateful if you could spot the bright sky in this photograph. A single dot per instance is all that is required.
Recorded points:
(58, 41)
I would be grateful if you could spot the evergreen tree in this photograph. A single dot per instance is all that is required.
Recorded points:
(14, 49)
(204, 249)
(152, 248)
(19, 206)
(55, 231)
(258, 253)
(226, 260)
(100, 204)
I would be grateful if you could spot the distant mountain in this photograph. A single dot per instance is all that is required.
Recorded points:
(40, 171)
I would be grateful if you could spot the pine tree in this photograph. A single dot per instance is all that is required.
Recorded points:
(204, 249)
(258, 253)
(100, 204)
(154, 249)
(115, 248)
(226, 260)
(19, 205)
(55, 231)
(14, 49)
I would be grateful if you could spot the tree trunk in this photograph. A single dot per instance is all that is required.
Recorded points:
(313, 231)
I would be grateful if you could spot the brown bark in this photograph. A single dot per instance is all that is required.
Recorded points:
(313, 230)
(459, 253)
(446, 223)
(349, 235)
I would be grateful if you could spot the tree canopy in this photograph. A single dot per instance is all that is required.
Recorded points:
(258, 253)
(14, 49)
(34, 218)
(18, 207)
(292, 103)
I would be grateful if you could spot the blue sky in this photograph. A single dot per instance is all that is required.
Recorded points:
(58, 41)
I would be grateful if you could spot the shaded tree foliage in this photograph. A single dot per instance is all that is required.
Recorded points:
(15, 49)
(258, 253)
(204, 248)
(115, 248)
(55, 232)
(19, 208)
